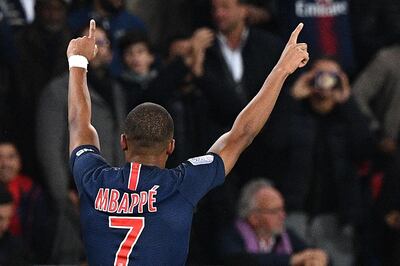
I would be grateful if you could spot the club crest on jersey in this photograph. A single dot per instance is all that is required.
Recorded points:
(205, 159)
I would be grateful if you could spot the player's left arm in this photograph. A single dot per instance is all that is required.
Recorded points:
(81, 131)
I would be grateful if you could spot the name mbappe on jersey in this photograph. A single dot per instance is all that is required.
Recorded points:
(111, 201)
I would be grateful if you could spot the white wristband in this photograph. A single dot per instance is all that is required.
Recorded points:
(78, 61)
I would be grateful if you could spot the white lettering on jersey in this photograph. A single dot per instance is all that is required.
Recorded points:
(321, 9)
(81, 151)
(205, 159)
(111, 200)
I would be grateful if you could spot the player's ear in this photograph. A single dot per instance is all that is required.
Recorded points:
(123, 142)
(171, 147)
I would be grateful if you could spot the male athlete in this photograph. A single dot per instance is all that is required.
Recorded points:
(141, 213)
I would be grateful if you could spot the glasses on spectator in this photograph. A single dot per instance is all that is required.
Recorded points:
(271, 211)
(102, 42)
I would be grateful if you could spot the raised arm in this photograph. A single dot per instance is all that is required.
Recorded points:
(79, 51)
(253, 117)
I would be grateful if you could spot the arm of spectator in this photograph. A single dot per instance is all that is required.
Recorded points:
(201, 40)
(81, 130)
(368, 85)
(253, 117)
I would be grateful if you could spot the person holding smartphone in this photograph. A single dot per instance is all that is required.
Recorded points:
(328, 138)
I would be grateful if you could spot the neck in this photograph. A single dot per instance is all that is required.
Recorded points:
(148, 159)
(234, 37)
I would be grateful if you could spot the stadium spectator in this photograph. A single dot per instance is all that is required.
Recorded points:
(40, 57)
(12, 248)
(259, 236)
(329, 31)
(112, 16)
(377, 91)
(328, 137)
(30, 211)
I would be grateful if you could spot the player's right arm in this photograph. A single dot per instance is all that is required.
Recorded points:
(81, 131)
(253, 117)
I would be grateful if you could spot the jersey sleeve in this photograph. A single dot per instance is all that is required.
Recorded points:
(200, 175)
(85, 161)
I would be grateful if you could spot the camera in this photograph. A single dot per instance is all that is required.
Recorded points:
(325, 80)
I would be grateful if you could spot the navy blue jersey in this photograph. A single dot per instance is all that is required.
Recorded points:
(138, 214)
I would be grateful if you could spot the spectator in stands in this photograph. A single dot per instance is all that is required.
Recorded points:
(234, 67)
(29, 217)
(112, 16)
(329, 29)
(377, 90)
(259, 235)
(329, 137)
(12, 248)
(108, 105)
(143, 80)
(41, 57)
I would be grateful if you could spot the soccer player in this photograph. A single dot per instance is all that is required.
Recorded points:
(141, 213)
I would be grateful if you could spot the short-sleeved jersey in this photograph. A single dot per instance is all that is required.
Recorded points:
(139, 214)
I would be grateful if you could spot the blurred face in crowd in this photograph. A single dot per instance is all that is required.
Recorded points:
(322, 101)
(268, 217)
(228, 15)
(52, 14)
(10, 162)
(104, 55)
(138, 58)
(6, 213)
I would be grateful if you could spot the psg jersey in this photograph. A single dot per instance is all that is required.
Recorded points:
(139, 214)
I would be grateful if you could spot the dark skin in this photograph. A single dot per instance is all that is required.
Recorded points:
(229, 146)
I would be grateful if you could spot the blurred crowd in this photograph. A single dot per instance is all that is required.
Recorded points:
(319, 186)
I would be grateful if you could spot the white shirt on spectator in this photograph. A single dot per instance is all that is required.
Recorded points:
(233, 57)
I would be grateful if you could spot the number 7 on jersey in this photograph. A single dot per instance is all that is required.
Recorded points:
(135, 226)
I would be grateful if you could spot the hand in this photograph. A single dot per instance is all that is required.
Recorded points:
(309, 257)
(202, 38)
(387, 145)
(295, 54)
(85, 46)
(302, 88)
(393, 219)
(342, 95)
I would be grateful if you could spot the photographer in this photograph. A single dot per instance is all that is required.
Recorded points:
(328, 137)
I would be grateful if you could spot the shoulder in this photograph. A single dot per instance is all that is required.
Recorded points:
(389, 54)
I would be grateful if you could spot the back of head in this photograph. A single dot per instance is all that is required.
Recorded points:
(149, 128)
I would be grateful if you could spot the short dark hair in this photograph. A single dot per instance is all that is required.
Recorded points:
(149, 126)
(133, 37)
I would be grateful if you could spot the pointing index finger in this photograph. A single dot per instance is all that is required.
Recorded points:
(92, 28)
(295, 33)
